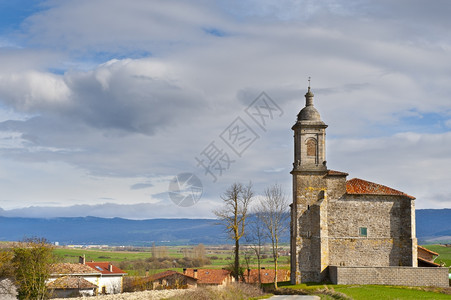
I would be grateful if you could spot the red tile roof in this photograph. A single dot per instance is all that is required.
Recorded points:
(72, 269)
(428, 262)
(427, 250)
(266, 275)
(209, 276)
(358, 186)
(166, 274)
(71, 282)
(103, 267)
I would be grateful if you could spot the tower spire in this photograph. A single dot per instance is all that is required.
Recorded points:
(309, 95)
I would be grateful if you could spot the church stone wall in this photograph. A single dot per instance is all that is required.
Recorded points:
(406, 276)
(387, 220)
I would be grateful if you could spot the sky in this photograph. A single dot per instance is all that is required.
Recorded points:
(105, 103)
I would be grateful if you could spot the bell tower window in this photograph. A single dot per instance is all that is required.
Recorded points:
(311, 147)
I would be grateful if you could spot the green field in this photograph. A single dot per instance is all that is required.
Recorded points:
(219, 257)
(369, 292)
(72, 255)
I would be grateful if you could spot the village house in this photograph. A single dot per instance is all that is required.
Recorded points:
(427, 257)
(68, 279)
(218, 277)
(172, 280)
(348, 231)
(111, 277)
(71, 286)
(85, 278)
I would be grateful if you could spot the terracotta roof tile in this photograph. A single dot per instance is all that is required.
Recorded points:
(166, 274)
(69, 268)
(360, 186)
(428, 262)
(103, 267)
(71, 282)
(427, 250)
(209, 276)
(266, 275)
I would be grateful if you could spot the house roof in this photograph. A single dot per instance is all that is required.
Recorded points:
(209, 276)
(427, 250)
(428, 262)
(72, 269)
(166, 274)
(266, 275)
(71, 282)
(358, 186)
(103, 267)
(336, 173)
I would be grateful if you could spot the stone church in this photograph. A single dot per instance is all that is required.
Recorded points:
(347, 231)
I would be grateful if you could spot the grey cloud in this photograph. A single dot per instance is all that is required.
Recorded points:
(118, 26)
(110, 210)
(139, 186)
(113, 96)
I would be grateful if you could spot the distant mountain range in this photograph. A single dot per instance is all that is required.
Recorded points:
(433, 225)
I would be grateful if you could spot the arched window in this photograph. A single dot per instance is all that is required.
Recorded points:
(311, 147)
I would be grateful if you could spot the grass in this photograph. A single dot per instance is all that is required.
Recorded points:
(72, 255)
(369, 292)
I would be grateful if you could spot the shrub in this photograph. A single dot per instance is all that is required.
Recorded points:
(229, 292)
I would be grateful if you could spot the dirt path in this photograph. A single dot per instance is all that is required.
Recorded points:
(146, 295)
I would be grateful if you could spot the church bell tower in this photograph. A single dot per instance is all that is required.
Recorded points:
(309, 138)
(308, 237)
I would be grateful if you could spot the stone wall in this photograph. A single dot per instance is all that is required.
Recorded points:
(406, 276)
(387, 219)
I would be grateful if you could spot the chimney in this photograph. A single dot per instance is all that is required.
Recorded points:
(82, 259)
(110, 267)
(195, 273)
(184, 271)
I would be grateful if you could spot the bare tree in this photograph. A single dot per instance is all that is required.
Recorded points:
(233, 215)
(256, 238)
(199, 252)
(272, 211)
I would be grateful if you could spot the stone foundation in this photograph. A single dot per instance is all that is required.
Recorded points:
(407, 276)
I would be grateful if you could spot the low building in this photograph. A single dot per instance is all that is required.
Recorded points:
(71, 279)
(111, 277)
(427, 257)
(107, 278)
(71, 286)
(219, 277)
(172, 280)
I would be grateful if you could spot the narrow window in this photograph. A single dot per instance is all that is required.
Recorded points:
(311, 147)
(363, 231)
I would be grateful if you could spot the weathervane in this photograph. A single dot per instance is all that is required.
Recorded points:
(309, 82)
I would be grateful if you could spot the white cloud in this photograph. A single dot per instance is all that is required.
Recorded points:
(129, 93)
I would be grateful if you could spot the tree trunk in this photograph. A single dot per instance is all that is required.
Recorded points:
(237, 260)
(275, 273)
(258, 265)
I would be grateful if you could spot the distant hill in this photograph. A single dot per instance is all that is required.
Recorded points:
(116, 231)
(433, 225)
